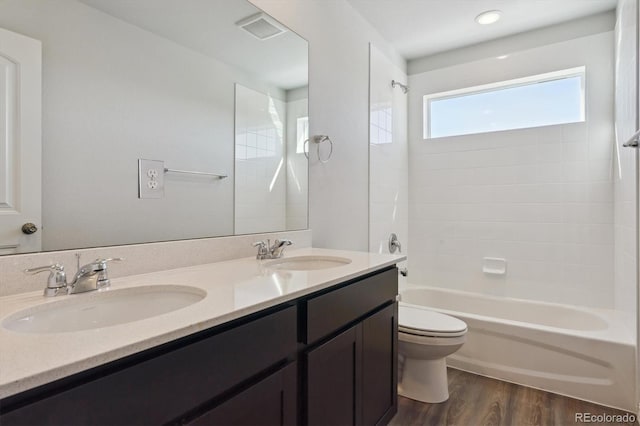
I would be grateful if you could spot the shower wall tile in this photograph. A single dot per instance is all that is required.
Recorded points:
(261, 183)
(542, 198)
(388, 151)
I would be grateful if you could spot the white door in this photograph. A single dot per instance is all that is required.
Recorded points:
(20, 142)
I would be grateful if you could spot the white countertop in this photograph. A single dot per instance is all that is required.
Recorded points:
(234, 289)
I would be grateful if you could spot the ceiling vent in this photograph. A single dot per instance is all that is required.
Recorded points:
(261, 26)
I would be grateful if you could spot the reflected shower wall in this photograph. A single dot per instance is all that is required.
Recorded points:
(297, 131)
(260, 200)
(271, 172)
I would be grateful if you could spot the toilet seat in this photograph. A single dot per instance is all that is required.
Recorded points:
(420, 321)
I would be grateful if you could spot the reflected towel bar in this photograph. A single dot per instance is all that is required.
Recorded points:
(188, 172)
(633, 141)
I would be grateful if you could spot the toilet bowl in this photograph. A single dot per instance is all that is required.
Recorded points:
(425, 339)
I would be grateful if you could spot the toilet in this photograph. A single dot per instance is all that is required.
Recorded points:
(425, 338)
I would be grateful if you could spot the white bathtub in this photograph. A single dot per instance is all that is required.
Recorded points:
(583, 353)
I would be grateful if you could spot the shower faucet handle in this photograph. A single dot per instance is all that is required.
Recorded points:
(394, 243)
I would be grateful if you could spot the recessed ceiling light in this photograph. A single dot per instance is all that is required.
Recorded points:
(488, 17)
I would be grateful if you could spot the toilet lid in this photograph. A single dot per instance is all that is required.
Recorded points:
(418, 320)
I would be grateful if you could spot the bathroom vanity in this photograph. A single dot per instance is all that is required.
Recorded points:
(321, 349)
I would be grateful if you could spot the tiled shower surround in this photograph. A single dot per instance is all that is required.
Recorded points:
(541, 198)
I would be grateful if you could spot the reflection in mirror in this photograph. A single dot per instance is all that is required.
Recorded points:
(271, 168)
(149, 79)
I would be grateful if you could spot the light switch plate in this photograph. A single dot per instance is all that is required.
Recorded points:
(150, 178)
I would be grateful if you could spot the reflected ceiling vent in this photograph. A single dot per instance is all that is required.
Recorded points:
(261, 26)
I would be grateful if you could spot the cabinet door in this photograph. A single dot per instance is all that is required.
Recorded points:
(380, 366)
(272, 401)
(333, 378)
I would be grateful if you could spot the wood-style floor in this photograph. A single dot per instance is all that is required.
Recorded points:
(480, 401)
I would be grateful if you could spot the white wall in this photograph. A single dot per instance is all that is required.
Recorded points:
(542, 198)
(577, 28)
(388, 150)
(626, 123)
(338, 106)
(627, 179)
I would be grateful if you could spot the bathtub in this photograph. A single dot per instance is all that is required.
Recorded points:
(583, 353)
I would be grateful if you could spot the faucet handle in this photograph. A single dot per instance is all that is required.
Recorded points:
(57, 277)
(56, 267)
(103, 262)
(394, 243)
(263, 249)
(100, 266)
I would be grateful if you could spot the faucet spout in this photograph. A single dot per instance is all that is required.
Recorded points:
(278, 248)
(92, 276)
(86, 279)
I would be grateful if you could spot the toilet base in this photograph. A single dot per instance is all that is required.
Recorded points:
(424, 380)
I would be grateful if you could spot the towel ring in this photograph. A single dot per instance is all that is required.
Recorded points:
(318, 139)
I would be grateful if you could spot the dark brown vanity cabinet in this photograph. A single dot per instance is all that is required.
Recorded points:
(176, 383)
(351, 376)
(328, 358)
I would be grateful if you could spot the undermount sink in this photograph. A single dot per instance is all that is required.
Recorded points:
(103, 309)
(307, 263)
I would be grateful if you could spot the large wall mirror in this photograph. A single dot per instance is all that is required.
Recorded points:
(213, 87)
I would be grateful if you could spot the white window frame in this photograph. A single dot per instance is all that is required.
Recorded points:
(506, 84)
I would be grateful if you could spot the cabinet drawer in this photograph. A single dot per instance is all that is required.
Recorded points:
(162, 388)
(335, 309)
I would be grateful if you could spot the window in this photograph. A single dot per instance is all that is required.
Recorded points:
(540, 100)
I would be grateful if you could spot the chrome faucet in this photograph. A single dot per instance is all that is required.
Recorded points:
(268, 251)
(90, 277)
(394, 243)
